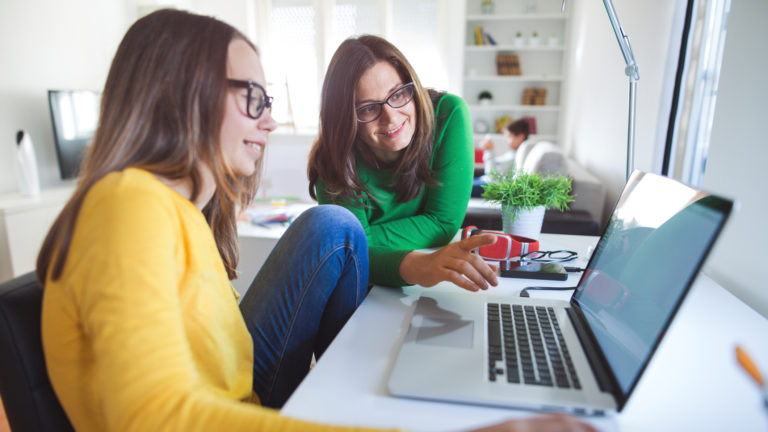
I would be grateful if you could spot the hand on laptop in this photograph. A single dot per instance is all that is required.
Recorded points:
(454, 262)
(554, 423)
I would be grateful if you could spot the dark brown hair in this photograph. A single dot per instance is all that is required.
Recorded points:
(332, 158)
(161, 110)
(519, 127)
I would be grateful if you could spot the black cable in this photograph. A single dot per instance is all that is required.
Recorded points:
(524, 291)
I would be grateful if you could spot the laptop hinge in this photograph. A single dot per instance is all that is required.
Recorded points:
(597, 362)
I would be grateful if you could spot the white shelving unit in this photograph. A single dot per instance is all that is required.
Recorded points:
(542, 64)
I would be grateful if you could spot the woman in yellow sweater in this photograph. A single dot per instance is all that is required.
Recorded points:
(141, 328)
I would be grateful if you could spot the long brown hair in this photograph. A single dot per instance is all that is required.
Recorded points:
(332, 158)
(162, 110)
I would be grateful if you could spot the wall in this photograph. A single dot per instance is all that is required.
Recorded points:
(597, 104)
(598, 95)
(69, 44)
(49, 44)
(738, 155)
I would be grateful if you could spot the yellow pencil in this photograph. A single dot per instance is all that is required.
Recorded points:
(749, 365)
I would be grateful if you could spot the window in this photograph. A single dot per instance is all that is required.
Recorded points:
(685, 156)
(302, 35)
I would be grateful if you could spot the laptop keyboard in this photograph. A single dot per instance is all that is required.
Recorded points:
(526, 346)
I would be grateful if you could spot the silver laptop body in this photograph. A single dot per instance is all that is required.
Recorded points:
(652, 248)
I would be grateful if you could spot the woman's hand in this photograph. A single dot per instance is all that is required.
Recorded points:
(555, 423)
(454, 263)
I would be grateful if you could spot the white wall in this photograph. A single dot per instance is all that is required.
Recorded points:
(49, 44)
(598, 95)
(738, 155)
(596, 126)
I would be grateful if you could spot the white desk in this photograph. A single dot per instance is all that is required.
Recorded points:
(257, 241)
(24, 223)
(693, 382)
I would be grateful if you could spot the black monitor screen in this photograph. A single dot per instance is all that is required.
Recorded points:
(74, 115)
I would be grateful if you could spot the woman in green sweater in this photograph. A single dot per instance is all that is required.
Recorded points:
(400, 157)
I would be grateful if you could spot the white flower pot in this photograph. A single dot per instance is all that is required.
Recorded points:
(553, 41)
(527, 223)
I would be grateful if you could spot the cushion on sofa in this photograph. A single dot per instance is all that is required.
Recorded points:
(545, 157)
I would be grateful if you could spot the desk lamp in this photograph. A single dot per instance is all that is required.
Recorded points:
(632, 71)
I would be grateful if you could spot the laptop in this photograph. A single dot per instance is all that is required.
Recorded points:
(583, 356)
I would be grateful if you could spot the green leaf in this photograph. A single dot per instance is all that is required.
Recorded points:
(519, 190)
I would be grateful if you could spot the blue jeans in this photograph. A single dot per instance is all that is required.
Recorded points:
(310, 284)
(477, 186)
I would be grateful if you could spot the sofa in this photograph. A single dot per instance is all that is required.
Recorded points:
(586, 211)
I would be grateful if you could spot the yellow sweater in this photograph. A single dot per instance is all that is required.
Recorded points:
(142, 331)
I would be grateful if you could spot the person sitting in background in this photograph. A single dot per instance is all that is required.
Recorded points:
(516, 134)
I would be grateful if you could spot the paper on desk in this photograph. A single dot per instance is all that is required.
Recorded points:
(264, 216)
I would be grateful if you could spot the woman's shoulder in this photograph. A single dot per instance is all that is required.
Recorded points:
(450, 109)
(128, 182)
(132, 190)
(449, 102)
(452, 99)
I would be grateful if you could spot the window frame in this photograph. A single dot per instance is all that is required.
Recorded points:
(695, 91)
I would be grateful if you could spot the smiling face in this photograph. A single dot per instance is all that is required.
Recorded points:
(392, 131)
(242, 138)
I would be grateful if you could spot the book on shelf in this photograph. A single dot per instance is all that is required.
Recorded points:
(488, 39)
(478, 34)
(531, 124)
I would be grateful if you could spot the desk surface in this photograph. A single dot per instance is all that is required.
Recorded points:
(692, 383)
(54, 197)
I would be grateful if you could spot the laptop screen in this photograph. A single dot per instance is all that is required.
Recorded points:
(655, 242)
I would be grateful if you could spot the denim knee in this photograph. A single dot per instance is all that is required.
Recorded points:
(333, 219)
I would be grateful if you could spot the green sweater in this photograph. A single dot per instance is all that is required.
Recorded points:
(432, 218)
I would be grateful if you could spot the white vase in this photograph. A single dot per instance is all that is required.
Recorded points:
(26, 164)
(527, 223)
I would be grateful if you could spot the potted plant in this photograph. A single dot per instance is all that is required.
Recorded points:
(524, 196)
(485, 97)
(487, 6)
(519, 40)
(534, 40)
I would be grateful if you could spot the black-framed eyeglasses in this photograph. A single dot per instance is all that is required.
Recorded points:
(256, 101)
(550, 256)
(399, 98)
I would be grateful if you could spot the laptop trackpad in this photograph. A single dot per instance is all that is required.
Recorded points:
(448, 332)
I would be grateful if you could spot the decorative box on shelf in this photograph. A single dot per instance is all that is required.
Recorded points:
(534, 96)
(507, 64)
